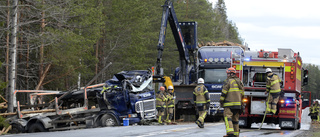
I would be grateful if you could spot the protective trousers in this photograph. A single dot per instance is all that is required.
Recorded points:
(160, 114)
(231, 119)
(169, 114)
(272, 104)
(202, 116)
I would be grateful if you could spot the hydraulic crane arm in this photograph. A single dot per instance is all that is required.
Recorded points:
(169, 14)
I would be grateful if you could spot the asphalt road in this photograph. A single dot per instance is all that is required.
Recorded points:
(185, 130)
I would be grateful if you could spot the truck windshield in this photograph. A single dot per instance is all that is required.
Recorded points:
(145, 86)
(215, 75)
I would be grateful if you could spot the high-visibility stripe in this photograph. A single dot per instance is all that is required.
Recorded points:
(236, 133)
(222, 98)
(234, 89)
(200, 93)
(224, 91)
(264, 64)
(276, 81)
(275, 91)
(228, 129)
(200, 102)
(170, 106)
(242, 92)
(232, 81)
(232, 104)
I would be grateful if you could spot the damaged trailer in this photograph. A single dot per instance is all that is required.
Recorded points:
(128, 96)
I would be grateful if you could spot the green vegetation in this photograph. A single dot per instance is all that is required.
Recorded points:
(313, 84)
(58, 40)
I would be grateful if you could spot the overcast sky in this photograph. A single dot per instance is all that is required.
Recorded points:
(273, 24)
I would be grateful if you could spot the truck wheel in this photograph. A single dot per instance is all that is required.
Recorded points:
(16, 128)
(108, 120)
(36, 127)
(248, 123)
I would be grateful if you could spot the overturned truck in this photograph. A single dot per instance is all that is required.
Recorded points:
(127, 98)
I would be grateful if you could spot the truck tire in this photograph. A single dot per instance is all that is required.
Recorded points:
(36, 127)
(299, 125)
(109, 120)
(248, 123)
(16, 128)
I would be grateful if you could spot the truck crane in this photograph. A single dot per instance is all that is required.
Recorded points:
(183, 32)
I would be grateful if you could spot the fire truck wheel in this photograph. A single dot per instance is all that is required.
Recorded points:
(36, 127)
(108, 120)
(299, 125)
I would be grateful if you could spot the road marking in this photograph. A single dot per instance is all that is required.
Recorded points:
(176, 130)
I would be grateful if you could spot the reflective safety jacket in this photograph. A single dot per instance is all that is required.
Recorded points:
(201, 95)
(161, 99)
(273, 83)
(314, 109)
(170, 100)
(232, 93)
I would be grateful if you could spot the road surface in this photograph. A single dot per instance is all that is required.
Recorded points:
(183, 130)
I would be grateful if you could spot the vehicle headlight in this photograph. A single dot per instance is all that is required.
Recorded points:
(216, 59)
(228, 59)
(222, 59)
(210, 59)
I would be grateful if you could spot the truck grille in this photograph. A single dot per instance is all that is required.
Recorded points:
(215, 97)
(214, 102)
(146, 108)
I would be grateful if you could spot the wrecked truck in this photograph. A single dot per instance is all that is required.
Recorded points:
(127, 98)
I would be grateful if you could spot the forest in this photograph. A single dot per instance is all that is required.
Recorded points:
(60, 41)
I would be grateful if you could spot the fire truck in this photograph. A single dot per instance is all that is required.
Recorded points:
(288, 66)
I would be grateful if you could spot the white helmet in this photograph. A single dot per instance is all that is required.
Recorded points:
(268, 70)
(170, 87)
(200, 81)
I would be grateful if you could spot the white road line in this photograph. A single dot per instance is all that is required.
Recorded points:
(176, 130)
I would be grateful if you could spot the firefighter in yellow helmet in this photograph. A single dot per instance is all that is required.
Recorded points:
(161, 103)
(231, 97)
(202, 101)
(169, 104)
(273, 88)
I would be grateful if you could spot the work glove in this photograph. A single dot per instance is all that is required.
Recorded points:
(221, 103)
(162, 109)
(242, 109)
(208, 105)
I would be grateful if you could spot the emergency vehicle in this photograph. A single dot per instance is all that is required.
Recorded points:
(288, 66)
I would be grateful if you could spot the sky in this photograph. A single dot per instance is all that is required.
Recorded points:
(273, 24)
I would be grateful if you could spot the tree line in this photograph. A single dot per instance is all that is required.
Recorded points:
(313, 84)
(61, 41)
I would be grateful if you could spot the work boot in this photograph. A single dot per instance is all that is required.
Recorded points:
(198, 123)
(229, 135)
(202, 125)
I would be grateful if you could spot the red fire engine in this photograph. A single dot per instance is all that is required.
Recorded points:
(288, 66)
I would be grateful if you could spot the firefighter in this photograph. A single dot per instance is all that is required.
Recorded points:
(202, 101)
(169, 104)
(161, 104)
(314, 111)
(231, 97)
(107, 88)
(273, 88)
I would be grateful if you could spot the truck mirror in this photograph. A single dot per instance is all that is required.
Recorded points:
(305, 81)
(305, 77)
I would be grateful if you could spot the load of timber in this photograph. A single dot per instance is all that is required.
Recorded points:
(224, 43)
